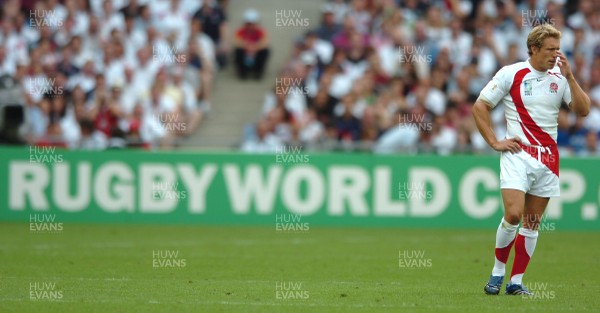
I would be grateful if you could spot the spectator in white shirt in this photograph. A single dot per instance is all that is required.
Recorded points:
(109, 19)
(7, 66)
(264, 142)
(185, 96)
(311, 129)
(91, 139)
(399, 138)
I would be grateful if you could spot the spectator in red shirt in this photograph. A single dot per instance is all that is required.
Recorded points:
(105, 112)
(251, 47)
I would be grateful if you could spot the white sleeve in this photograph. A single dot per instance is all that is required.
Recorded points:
(567, 95)
(496, 89)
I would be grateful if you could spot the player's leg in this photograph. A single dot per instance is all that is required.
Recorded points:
(514, 183)
(527, 238)
(514, 202)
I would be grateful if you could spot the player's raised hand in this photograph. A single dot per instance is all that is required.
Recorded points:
(512, 144)
(563, 64)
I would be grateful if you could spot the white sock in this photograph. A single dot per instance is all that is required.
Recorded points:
(523, 252)
(505, 236)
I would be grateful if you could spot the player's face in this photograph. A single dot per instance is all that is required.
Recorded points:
(546, 55)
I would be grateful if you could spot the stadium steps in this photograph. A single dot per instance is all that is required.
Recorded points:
(237, 103)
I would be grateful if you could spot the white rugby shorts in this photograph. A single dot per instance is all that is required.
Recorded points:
(533, 170)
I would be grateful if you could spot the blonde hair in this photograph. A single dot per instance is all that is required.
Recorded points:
(539, 33)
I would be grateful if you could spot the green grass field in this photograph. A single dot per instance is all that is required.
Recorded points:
(98, 268)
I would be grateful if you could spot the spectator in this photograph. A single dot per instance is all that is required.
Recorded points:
(311, 129)
(117, 139)
(214, 23)
(401, 137)
(96, 61)
(105, 111)
(185, 96)
(201, 59)
(322, 49)
(426, 59)
(76, 112)
(329, 27)
(264, 142)
(347, 125)
(577, 136)
(145, 130)
(444, 137)
(251, 47)
(562, 136)
(7, 65)
(91, 139)
(591, 145)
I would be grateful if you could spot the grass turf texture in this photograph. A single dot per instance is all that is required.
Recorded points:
(101, 268)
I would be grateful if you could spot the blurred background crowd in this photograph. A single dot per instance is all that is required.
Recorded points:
(389, 76)
(401, 76)
(96, 74)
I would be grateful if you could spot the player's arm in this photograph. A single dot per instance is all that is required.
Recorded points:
(580, 102)
(481, 113)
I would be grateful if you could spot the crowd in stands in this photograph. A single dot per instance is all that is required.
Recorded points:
(99, 74)
(401, 76)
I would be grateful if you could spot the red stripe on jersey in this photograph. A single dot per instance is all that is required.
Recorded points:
(531, 130)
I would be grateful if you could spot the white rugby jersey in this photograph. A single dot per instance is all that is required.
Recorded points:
(531, 99)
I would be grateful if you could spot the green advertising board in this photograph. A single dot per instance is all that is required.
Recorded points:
(235, 188)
